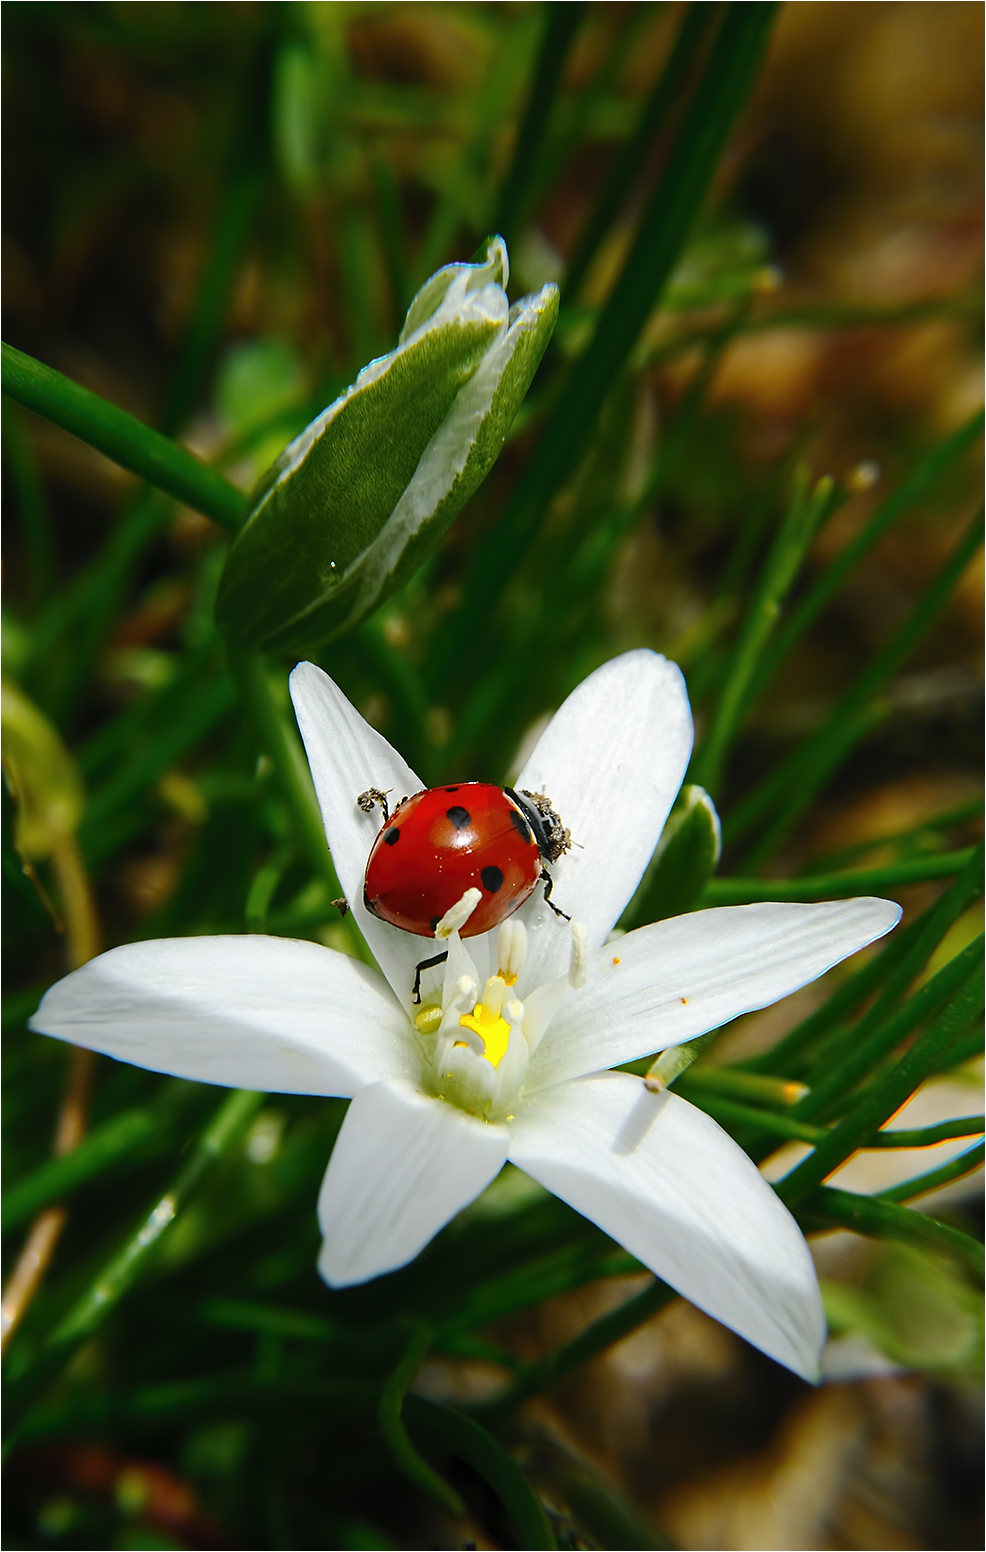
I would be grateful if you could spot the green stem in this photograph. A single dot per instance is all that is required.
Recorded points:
(119, 1274)
(881, 1030)
(664, 229)
(129, 1138)
(562, 24)
(804, 517)
(966, 1162)
(835, 886)
(602, 1333)
(123, 438)
(918, 482)
(880, 1103)
(278, 737)
(894, 968)
(451, 1430)
(791, 788)
(395, 1434)
(694, 30)
(779, 1125)
(879, 1219)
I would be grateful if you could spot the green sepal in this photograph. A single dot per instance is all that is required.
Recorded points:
(356, 503)
(684, 860)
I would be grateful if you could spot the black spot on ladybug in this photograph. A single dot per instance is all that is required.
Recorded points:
(492, 879)
(451, 789)
(434, 922)
(520, 825)
(460, 817)
(391, 837)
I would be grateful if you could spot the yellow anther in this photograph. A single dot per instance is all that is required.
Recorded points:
(427, 1020)
(508, 980)
(492, 1029)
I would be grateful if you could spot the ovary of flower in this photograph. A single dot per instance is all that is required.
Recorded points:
(509, 1055)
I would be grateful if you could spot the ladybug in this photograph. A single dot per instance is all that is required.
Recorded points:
(445, 840)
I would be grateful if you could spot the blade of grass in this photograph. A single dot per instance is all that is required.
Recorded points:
(917, 484)
(894, 967)
(925, 832)
(562, 23)
(130, 1137)
(602, 1333)
(779, 1125)
(887, 1096)
(835, 886)
(806, 513)
(933, 1179)
(395, 1435)
(123, 438)
(664, 229)
(876, 1035)
(696, 26)
(451, 1430)
(119, 1274)
(878, 1219)
(792, 787)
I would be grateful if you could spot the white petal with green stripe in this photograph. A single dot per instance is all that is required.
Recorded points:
(355, 503)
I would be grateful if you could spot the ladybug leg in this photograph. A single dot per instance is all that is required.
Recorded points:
(549, 885)
(369, 799)
(426, 964)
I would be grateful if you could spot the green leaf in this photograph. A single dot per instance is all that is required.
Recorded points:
(683, 861)
(355, 504)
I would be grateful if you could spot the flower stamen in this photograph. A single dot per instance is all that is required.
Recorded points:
(458, 914)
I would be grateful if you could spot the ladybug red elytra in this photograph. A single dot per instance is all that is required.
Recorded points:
(445, 840)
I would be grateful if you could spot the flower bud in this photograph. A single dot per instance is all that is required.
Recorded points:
(355, 504)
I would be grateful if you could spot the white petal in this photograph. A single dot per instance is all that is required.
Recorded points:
(611, 760)
(250, 1012)
(668, 1184)
(403, 1165)
(348, 757)
(676, 979)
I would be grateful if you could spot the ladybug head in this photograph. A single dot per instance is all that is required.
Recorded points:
(553, 840)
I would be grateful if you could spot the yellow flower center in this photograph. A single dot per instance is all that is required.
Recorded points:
(492, 1028)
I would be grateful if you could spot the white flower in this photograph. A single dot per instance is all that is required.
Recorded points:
(440, 1104)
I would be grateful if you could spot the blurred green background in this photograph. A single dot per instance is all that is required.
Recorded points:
(215, 215)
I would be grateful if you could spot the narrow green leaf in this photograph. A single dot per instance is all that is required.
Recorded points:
(664, 229)
(886, 1097)
(791, 788)
(879, 1219)
(880, 1029)
(118, 1276)
(602, 1333)
(934, 1179)
(836, 886)
(451, 1430)
(406, 1457)
(894, 968)
(698, 21)
(806, 513)
(128, 1138)
(277, 734)
(122, 437)
(918, 482)
(562, 23)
